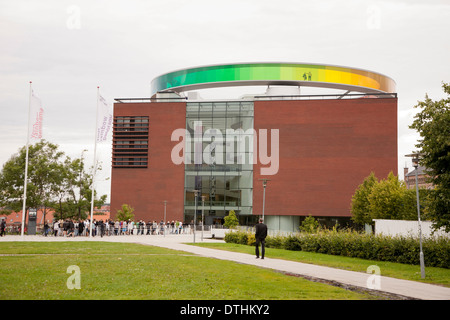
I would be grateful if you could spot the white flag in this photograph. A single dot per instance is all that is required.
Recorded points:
(36, 117)
(104, 119)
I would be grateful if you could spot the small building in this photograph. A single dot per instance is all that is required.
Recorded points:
(422, 178)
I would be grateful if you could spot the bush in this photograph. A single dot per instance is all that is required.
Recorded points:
(275, 242)
(231, 237)
(242, 238)
(251, 241)
(292, 243)
(358, 245)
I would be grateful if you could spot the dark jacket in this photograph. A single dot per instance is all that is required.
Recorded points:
(260, 231)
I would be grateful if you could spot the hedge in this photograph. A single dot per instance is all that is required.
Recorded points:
(358, 245)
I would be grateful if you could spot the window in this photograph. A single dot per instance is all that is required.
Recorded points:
(227, 184)
(130, 142)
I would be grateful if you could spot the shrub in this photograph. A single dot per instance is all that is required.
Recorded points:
(293, 243)
(275, 242)
(251, 239)
(231, 237)
(242, 237)
(359, 245)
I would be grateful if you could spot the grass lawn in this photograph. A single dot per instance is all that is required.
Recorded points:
(38, 270)
(438, 276)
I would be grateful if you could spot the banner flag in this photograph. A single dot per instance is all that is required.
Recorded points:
(104, 119)
(103, 125)
(36, 117)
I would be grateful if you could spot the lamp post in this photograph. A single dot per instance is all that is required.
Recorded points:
(203, 214)
(165, 204)
(264, 195)
(81, 171)
(415, 162)
(195, 212)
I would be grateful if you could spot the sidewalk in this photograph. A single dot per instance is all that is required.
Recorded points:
(403, 288)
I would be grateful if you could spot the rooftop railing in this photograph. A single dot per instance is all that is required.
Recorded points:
(346, 95)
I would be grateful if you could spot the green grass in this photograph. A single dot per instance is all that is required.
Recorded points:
(439, 276)
(38, 270)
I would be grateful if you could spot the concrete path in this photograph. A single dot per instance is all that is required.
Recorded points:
(397, 288)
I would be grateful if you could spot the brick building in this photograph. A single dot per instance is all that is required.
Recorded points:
(422, 178)
(315, 150)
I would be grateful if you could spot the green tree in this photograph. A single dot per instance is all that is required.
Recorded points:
(231, 221)
(126, 213)
(76, 188)
(433, 125)
(309, 225)
(43, 174)
(52, 182)
(387, 199)
(360, 206)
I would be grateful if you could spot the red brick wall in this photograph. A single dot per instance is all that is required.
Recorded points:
(146, 189)
(327, 148)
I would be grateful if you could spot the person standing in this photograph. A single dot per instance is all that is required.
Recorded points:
(86, 227)
(260, 237)
(101, 228)
(130, 227)
(149, 227)
(3, 227)
(116, 227)
(46, 227)
(161, 227)
(70, 228)
(80, 227)
(123, 226)
(56, 228)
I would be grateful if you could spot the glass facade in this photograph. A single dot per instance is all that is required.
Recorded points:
(219, 159)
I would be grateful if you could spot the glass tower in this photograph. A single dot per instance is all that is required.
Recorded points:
(219, 159)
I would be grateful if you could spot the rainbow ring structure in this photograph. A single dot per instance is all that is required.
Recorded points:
(271, 73)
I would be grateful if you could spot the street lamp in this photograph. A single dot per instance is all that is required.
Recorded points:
(81, 171)
(165, 204)
(203, 213)
(415, 162)
(264, 195)
(195, 212)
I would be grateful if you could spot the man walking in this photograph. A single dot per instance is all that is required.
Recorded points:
(260, 237)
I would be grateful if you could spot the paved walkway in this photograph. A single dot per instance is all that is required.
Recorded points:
(395, 287)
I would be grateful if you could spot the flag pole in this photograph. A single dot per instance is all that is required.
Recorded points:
(95, 165)
(24, 207)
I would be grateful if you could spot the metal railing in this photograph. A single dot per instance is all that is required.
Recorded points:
(327, 96)
(130, 100)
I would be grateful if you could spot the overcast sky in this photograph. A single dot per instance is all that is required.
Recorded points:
(68, 48)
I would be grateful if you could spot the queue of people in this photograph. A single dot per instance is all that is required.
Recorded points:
(74, 228)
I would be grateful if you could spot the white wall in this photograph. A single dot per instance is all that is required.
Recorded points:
(405, 228)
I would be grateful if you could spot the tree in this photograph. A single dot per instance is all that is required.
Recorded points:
(309, 225)
(433, 125)
(43, 174)
(385, 199)
(360, 207)
(126, 213)
(52, 182)
(76, 190)
(231, 221)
